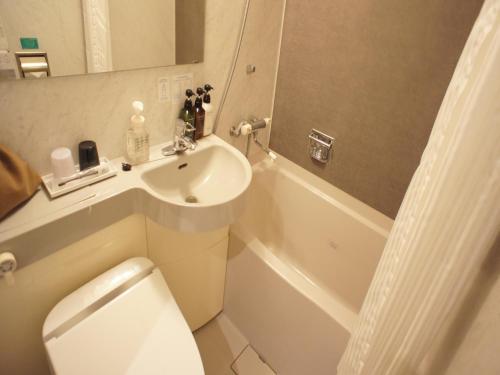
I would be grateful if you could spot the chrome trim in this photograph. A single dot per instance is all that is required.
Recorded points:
(101, 302)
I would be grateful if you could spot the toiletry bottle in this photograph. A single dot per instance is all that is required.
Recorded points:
(199, 115)
(137, 136)
(187, 112)
(209, 111)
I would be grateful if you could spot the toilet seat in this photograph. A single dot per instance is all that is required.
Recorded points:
(125, 321)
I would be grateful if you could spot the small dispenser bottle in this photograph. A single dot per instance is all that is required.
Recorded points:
(187, 112)
(137, 136)
(209, 111)
(199, 115)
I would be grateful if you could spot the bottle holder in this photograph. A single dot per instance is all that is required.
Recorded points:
(320, 146)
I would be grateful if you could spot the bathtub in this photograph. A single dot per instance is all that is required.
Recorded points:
(300, 263)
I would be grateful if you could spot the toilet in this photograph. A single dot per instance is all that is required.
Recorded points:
(125, 321)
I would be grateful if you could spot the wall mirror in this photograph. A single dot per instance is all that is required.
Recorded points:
(43, 38)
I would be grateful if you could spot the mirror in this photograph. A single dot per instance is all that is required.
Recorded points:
(69, 37)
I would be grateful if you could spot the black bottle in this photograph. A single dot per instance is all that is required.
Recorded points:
(187, 112)
(199, 115)
(206, 97)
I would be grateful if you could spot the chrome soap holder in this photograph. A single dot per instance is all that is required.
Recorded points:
(320, 146)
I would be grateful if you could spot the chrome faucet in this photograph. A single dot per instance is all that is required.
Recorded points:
(250, 129)
(183, 139)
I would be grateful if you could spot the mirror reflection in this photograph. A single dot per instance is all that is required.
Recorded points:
(67, 37)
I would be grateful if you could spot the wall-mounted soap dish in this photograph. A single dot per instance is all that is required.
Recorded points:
(320, 146)
(57, 187)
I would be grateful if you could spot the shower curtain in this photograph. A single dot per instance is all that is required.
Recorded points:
(447, 223)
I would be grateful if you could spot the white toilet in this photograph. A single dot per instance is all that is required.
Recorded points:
(125, 321)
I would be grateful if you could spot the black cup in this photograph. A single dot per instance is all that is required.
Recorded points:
(87, 155)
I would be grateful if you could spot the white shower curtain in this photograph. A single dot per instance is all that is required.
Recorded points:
(447, 223)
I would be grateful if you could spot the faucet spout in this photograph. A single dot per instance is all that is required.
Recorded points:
(264, 148)
(182, 140)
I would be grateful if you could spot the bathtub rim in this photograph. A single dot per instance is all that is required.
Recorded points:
(352, 206)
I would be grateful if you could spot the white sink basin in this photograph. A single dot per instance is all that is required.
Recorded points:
(204, 189)
(213, 176)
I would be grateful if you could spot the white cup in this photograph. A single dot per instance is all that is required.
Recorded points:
(62, 163)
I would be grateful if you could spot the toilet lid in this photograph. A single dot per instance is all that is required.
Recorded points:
(141, 331)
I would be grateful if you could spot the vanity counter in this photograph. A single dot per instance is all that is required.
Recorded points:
(50, 224)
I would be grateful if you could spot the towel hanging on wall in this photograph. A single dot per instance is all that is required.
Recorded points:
(18, 182)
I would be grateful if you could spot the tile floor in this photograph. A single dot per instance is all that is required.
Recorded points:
(225, 351)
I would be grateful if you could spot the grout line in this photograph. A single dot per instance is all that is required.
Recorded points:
(209, 322)
(262, 359)
(267, 364)
(238, 357)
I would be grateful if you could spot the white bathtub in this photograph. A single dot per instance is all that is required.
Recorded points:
(300, 263)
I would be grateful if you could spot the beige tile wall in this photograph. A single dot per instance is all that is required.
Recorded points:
(37, 116)
(251, 95)
(373, 75)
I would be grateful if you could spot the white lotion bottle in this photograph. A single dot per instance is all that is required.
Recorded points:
(137, 136)
(209, 111)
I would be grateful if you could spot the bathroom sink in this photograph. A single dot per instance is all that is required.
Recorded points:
(212, 176)
(201, 190)
(205, 187)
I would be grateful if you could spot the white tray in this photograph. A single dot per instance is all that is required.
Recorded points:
(56, 187)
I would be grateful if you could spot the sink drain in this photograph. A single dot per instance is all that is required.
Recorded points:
(191, 199)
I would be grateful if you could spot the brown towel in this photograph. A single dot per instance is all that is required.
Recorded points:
(18, 182)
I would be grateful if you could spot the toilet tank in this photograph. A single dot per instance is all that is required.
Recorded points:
(90, 295)
(124, 321)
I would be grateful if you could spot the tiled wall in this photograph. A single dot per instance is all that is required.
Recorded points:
(37, 116)
(251, 95)
(373, 75)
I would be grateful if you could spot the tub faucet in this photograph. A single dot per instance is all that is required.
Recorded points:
(250, 129)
